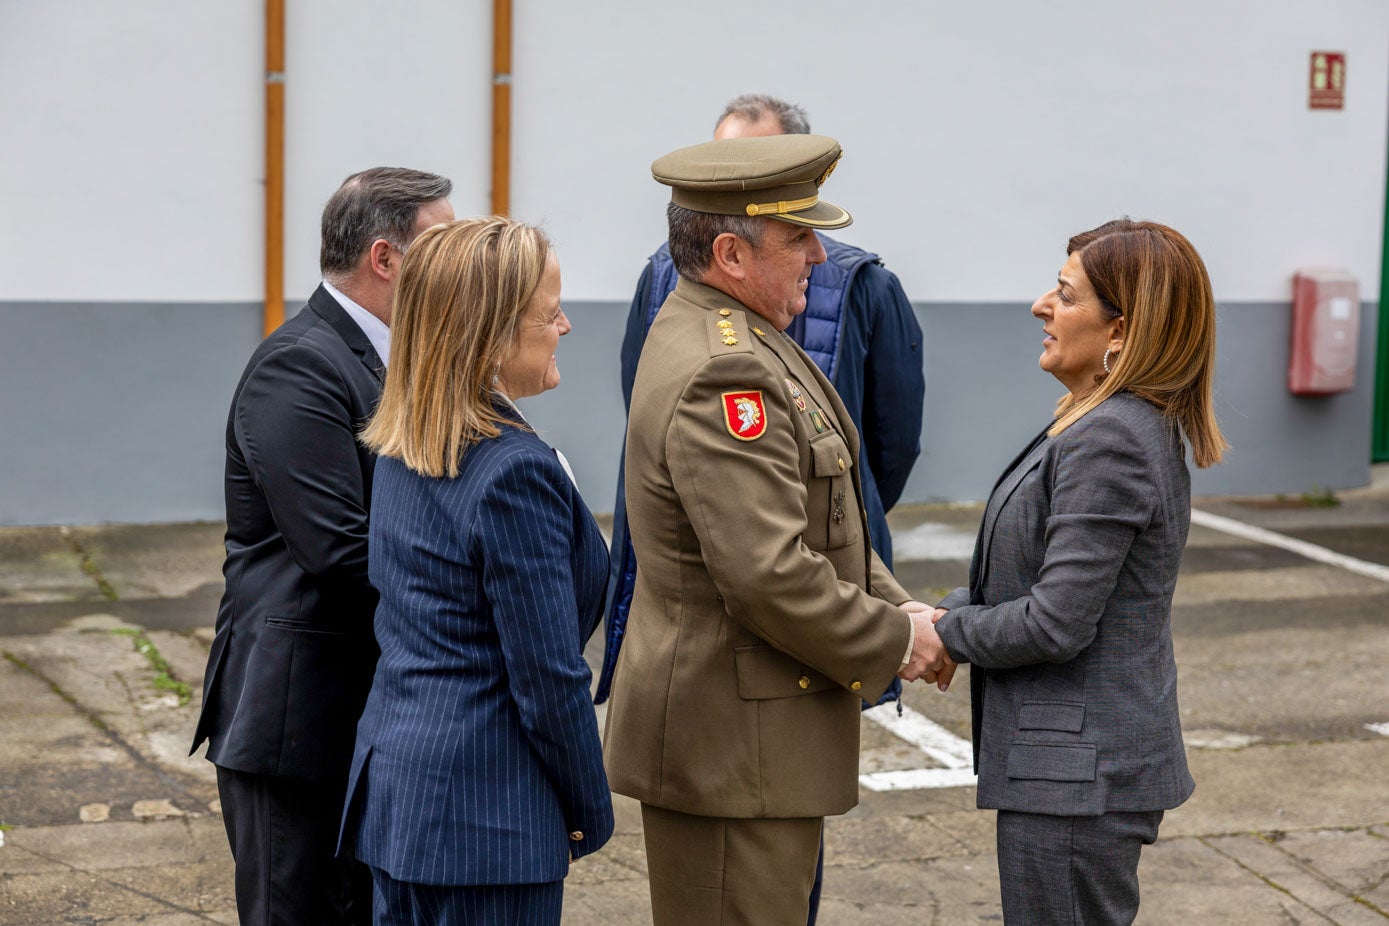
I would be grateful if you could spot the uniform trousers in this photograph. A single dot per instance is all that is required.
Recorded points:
(284, 834)
(402, 903)
(729, 871)
(1072, 871)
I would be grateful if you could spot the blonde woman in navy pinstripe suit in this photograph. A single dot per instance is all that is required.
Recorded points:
(477, 776)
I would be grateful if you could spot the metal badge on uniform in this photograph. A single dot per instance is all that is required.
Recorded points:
(744, 415)
(817, 418)
(796, 395)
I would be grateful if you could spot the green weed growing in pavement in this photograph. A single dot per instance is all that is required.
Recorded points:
(163, 673)
(1320, 498)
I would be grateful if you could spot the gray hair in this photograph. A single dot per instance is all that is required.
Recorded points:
(752, 107)
(692, 237)
(383, 202)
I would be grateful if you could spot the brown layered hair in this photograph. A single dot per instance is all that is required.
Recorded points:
(1152, 276)
(464, 287)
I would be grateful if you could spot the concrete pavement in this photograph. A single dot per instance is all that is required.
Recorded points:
(1285, 702)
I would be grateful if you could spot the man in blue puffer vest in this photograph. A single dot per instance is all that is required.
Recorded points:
(859, 329)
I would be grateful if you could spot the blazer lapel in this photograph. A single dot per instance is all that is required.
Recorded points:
(1022, 464)
(327, 308)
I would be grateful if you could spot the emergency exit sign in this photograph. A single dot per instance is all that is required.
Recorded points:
(1326, 83)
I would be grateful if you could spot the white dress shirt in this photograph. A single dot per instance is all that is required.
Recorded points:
(374, 328)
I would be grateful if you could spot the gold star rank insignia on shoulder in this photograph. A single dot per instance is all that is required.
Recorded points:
(744, 414)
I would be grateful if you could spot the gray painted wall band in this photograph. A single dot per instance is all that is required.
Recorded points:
(117, 411)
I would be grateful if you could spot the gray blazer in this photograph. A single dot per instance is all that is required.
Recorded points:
(1067, 620)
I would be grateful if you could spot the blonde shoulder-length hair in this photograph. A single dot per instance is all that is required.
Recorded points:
(463, 289)
(1152, 276)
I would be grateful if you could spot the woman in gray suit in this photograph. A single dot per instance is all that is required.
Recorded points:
(1067, 619)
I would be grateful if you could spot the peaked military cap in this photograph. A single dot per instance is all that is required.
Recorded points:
(778, 176)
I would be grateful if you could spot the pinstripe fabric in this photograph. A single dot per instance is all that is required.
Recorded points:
(478, 751)
(399, 903)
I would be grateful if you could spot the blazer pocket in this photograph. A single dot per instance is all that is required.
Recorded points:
(765, 672)
(1051, 762)
(299, 625)
(833, 488)
(1065, 716)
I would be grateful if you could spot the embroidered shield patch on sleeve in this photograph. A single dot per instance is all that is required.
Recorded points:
(744, 415)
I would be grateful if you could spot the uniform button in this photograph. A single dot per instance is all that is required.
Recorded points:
(841, 464)
(804, 682)
(577, 835)
(856, 686)
(725, 312)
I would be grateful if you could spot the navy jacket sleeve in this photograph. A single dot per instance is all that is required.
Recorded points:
(894, 383)
(528, 578)
(635, 336)
(294, 426)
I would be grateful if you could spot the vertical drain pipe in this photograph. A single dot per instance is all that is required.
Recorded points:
(274, 164)
(501, 107)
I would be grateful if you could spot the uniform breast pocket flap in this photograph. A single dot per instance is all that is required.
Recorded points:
(832, 505)
(831, 455)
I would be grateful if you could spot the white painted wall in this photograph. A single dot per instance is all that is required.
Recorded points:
(977, 136)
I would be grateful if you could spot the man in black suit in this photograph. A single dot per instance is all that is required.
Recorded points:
(293, 656)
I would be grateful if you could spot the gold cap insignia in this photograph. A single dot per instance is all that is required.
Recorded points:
(828, 170)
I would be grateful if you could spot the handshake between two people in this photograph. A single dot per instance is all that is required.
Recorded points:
(929, 659)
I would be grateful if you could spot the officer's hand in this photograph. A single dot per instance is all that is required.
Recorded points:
(928, 652)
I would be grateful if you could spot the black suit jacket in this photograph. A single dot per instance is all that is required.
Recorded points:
(293, 656)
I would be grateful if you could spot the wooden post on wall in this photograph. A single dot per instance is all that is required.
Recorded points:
(274, 164)
(501, 107)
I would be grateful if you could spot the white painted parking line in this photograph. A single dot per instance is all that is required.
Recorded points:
(918, 779)
(932, 540)
(931, 738)
(1302, 547)
(1381, 728)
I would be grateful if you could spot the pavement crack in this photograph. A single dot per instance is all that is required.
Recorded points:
(72, 702)
(1265, 878)
(96, 875)
(84, 559)
(163, 679)
(115, 737)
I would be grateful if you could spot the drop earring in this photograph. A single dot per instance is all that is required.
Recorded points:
(1105, 360)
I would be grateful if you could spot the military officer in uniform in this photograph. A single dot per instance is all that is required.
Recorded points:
(761, 618)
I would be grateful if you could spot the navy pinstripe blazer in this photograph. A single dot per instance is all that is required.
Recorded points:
(478, 752)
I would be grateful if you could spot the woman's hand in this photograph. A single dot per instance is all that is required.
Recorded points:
(947, 671)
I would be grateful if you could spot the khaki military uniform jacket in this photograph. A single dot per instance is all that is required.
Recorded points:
(761, 618)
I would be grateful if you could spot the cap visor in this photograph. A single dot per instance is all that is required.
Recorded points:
(820, 215)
